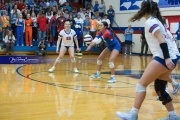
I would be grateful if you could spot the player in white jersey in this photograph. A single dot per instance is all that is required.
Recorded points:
(160, 67)
(67, 35)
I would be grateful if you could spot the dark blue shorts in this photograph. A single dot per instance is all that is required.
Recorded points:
(115, 47)
(128, 42)
(162, 61)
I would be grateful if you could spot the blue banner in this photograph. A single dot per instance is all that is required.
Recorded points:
(22, 59)
(136, 4)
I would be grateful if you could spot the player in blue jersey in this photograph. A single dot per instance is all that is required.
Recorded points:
(112, 49)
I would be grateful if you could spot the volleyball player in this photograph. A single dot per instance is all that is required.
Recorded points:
(112, 49)
(160, 67)
(67, 35)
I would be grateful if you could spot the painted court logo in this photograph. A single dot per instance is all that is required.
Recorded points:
(21, 60)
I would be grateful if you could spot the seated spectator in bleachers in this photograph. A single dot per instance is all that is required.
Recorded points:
(52, 3)
(21, 5)
(34, 27)
(33, 10)
(2, 8)
(43, 4)
(24, 13)
(98, 23)
(32, 4)
(9, 42)
(106, 20)
(28, 30)
(62, 2)
(20, 27)
(67, 6)
(66, 14)
(42, 48)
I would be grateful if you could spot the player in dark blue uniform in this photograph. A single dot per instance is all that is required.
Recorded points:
(112, 49)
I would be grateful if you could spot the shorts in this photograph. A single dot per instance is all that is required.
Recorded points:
(115, 47)
(127, 42)
(162, 61)
(67, 47)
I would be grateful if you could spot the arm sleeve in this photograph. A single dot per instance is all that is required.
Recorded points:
(60, 34)
(152, 26)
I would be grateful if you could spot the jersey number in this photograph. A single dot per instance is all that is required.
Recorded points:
(68, 38)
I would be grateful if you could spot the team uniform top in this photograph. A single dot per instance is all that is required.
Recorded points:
(67, 38)
(151, 26)
(112, 41)
(175, 49)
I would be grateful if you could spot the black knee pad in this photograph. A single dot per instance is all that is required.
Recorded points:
(160, 88)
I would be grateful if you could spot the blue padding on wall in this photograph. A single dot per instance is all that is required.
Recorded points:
(48, 49)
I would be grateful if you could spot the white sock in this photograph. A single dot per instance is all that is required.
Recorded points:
(134, 111)
(174, 83)
(113, 76)
(167, 90)
(172, 112)
(98, 72)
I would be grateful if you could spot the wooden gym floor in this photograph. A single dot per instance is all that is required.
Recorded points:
(29, 92)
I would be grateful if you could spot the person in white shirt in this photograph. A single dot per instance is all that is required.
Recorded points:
(9, 41)
(160, 68)
(62, 2)
(68, 36)
(106, 20)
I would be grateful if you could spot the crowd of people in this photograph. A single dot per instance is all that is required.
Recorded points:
(33, 20)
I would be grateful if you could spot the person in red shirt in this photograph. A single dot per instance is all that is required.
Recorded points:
(21, 5)
(42, 21)
(60, 22)
(53, 29)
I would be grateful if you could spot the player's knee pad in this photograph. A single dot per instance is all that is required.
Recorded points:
(111, 65)
(140, 88)
(73, 60)
(58, 60)
(160, 88)
(99, 62)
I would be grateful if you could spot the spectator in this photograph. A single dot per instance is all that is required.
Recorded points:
(71, 20)
(20, 27)
(14, 17)
(98, 23)
(111, 14)
(43, 4)
(52, 3)
(60, 22)
(9, 42)
(86, 25)
(74, 12)
(96, 6)
(5, 23)
(101, 8)
(48, 16)
(15, 8)
(24, 13)
(47, 4)
(53, 29)
(34, 27)
(42, 21)
(62, 2)
(32, 10)
(89, 12)
(128, 39)
(66, 14)
(28, 30)
(67, 7)
(2, 8)
(93, 27)
(32, 4)
(88, 4)
(106, 20)
(21, 5)
(143, 43)
(42, 48)
(178, 38)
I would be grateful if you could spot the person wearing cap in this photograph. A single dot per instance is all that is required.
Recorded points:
(42, 21)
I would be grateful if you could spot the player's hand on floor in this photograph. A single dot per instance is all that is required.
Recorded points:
(88, 48)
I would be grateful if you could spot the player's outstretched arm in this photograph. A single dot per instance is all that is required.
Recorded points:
(94, 42)
(58, 42)
(76, 42)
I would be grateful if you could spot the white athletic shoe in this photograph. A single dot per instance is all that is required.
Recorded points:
(171, 117)
(112, 80)
(127, 116)
(76, 70)
(176, 89)
(52, 69)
